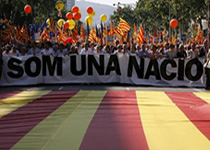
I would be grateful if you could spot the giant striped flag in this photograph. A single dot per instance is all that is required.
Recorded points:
(104, 120)
(140, 37)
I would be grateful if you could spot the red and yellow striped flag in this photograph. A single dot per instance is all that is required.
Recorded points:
(123, 25)
(111, 28)
(82, 34)
(140, 37)
(61, 37)
(92, 36)
(134, 32)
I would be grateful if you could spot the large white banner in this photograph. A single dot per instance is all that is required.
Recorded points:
(121, 68)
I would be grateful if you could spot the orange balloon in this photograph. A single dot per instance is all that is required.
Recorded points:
(27, 9)
(69, 16)
(75, 9)
(89, 10)
(174, 23)
(77, 16)
(66, 25)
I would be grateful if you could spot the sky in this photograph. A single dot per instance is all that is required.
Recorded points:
(111, 2)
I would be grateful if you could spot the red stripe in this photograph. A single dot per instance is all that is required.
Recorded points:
(197, 110)
(17, 124)
(116, 124)
(6, 94)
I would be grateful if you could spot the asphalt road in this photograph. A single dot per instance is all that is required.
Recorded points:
(102, 87)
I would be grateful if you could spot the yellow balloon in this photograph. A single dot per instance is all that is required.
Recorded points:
(92, 14)
(89, 20)
(103, 18)
(60, 22)
(71, 24)
(48, 21)
(59, 5)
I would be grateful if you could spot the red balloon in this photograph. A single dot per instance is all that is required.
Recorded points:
(66, 25)
(77, 16)
(174, 23)
(75, 9)
(27, 9)
(69, 16)
(89, 10)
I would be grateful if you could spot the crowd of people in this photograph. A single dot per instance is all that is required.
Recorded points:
(144, 50)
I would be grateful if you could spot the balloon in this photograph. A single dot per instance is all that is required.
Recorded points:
(77, 16)
(59, 5)
(92, 14)
(71, 24)
(89, 10)
(174, 23)
(103, 18)
(89, 20)
(48, 21)
(60, 22)
(27, 9)
(75, 9)
(69, 16)
(66, 25)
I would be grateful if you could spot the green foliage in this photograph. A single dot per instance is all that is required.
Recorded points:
(14, 10)
(156, 12)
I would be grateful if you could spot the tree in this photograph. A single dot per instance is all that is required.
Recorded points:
(14, 10)
(156, 12)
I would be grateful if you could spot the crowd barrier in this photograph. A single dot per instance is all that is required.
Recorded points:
(120, 68)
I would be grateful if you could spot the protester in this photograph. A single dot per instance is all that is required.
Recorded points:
(207, 71)
(181, 52)
(86, 50)
(143, 52)
(48, 49)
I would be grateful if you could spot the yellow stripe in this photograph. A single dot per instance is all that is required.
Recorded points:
(165, 126)
(65, 127)
(12, 103)
(203, 96)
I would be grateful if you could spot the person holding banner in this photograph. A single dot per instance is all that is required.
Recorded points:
(207, 71)
(1, 60)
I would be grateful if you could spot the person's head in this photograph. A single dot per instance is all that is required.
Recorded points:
(107, 48)
(55, 47)
(132, 48)
(86, 46)
(138, 47)
(205, 43)
(119, 48)
(124, 47)
(154, 48)
(23, 50)
(181, 47)
(193, 46)
(117, 42)
(171, 46)
(92, 46)
(166, 46)
(98, 49)
(143, 47)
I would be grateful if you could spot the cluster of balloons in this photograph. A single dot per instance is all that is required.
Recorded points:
(91, 14)
(74, 15)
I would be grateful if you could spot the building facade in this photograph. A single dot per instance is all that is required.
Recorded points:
(70, 4)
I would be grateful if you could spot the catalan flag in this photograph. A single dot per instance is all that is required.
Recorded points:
(82, 34)
(134, 32)
(60, 37)
(104, 120)
(92, 36)
(123, 25)
(140, 37)
(111, 28)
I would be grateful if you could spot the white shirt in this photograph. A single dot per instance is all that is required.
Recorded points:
(47, 52)
(84, 51)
